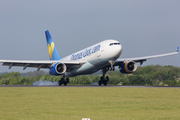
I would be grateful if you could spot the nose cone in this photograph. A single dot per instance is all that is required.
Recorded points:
(112, 49)
(115, 51)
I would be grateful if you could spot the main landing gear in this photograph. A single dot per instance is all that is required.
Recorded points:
(63, 81)
(104, 79)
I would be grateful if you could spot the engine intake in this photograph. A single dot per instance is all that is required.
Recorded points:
(128, 67)
(57, 69)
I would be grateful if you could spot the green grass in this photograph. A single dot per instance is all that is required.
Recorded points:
(106, 103)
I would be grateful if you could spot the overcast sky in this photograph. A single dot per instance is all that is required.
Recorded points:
(143, 27)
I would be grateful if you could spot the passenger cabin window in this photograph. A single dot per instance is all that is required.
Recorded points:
(114, 44)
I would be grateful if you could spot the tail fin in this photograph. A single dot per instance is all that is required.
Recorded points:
(53, 54)
(177, 50)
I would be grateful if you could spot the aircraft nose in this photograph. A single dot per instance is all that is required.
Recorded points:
(119, 50)
(116, 51)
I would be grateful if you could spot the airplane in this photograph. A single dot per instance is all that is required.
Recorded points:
(102, 56)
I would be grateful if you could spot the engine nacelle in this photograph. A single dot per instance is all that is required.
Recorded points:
(57, 69)
(128, 67)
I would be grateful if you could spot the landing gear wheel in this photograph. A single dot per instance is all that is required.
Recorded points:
(103, 80)
(59, 82)
(107, 78)
(100, 82)
(65, 83)
(67, 80)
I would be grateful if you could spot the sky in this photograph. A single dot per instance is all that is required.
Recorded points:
(143, 27)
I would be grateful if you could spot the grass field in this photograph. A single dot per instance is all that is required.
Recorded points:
(106, 103)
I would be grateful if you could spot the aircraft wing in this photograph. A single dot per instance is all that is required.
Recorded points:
(39, 64)
(142, 59)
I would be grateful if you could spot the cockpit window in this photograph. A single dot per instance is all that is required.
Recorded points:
(114, 44)
(110, 44)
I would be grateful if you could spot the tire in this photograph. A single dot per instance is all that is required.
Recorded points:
(67, 80)
(99, 83)
(59, 82)
(65, 83)
(102, 78)
(107, 78)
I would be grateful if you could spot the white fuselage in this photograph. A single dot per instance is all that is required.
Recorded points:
(96, 56)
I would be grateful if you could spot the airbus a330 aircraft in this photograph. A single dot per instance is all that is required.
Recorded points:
(101, 56)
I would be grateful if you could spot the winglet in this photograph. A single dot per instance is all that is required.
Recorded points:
(177, 50)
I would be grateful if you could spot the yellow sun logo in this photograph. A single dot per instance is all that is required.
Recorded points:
(50, 49)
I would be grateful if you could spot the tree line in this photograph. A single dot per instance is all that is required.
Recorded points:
(156, 75)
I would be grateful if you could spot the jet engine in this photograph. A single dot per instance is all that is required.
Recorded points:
(128, 67)
(57, 69)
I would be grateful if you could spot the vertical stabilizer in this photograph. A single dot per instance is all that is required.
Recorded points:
(53, 54)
